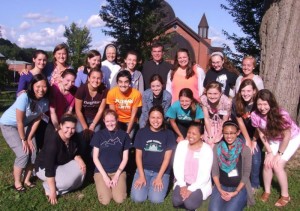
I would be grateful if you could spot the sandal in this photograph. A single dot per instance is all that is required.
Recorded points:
(283, 201)
(20, 189)
(265, 197)
(29, 185)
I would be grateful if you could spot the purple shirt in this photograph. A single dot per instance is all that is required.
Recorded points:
(24, 82)
(260, 122)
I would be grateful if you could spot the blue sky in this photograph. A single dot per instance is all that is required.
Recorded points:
(41, 24)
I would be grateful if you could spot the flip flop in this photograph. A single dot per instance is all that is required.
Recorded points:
(20, 189)
(29, 185)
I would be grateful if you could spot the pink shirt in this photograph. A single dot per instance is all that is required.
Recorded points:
(260, 122)
(61, 102)
(191, 166)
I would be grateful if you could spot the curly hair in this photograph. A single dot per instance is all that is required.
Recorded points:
(275, 121)
(239, 101)
(189, 70)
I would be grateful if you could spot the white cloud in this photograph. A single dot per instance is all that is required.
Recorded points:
(218, 38)
(40, 18)
(25, 25)
(100, 45)
(45, 39)
(95, 22)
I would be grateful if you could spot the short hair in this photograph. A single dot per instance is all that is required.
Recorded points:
(156, 77)
(156, 45)
(124, 73)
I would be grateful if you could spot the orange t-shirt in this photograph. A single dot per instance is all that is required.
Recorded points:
(179, 82)
(124, 102)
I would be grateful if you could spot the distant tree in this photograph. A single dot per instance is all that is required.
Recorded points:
(78, 41)
(133, 23)
(6, 76)
(248, 15)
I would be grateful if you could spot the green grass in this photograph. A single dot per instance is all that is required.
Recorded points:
(86, 198)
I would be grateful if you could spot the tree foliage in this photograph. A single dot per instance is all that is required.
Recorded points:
(248, 16)
(78, 41)
(133, 23)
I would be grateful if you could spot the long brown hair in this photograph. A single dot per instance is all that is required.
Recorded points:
(275, 121)
(186, 92)
(239, 101)
(189, 70)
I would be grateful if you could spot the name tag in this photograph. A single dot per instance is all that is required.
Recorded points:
(196, 155)
(45, 118)
(223, 112)
(233, 173)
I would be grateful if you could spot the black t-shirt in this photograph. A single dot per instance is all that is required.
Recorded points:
(150, 68)
(90, 105)
(153, 146)
(55, 153)
(226, 78)
(111, 145)
(232, 181)
(246, 117)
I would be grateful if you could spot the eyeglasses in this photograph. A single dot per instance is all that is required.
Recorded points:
(229, 134)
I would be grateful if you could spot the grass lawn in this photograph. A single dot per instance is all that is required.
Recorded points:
(86, 197)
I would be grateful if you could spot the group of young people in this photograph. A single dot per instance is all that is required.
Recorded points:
(200, 127)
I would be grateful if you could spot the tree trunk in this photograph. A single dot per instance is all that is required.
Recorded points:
(280, 52)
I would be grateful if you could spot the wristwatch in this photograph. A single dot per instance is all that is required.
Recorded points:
(280, 153)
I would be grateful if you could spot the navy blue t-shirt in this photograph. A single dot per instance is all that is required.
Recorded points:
(153, 146)
(111, 145)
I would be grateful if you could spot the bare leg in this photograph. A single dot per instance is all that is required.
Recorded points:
(282, 177)
(28, 172)
(267, 176)
(17, 176)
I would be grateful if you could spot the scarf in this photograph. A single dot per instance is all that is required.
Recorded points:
(228, 158)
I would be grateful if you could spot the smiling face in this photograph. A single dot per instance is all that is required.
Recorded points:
(68, 81)
(95, 79)
(40, 61)
(193, 135)
(130, 62)
(230, 134)
(67, 129)
(124, 84)
(213, 95)
(61, 56)
(248, 66)
(248, 93)
(183, 59)
(185, 102)
(217, 62)
(157, 54)
(263, 106)
(40, 89)
(94, 61)
(156, 87)
(110, 122)
(110, 54)
(156, 120)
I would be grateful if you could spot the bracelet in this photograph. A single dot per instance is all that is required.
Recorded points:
(280, 153)
(23, 140)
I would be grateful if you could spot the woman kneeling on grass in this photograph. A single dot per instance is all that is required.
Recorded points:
(26, 110)
(281, 137)
(192, 167)
(110, 155)
(58, 164)
(154, 146)
(231, 172)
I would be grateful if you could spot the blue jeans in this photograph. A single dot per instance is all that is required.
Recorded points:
(237, 203)
(256, 168)
(147, 191)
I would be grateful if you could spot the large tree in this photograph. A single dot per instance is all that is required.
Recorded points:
(280, 52)
(248, 15)
(133, 23)
(78, 41)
